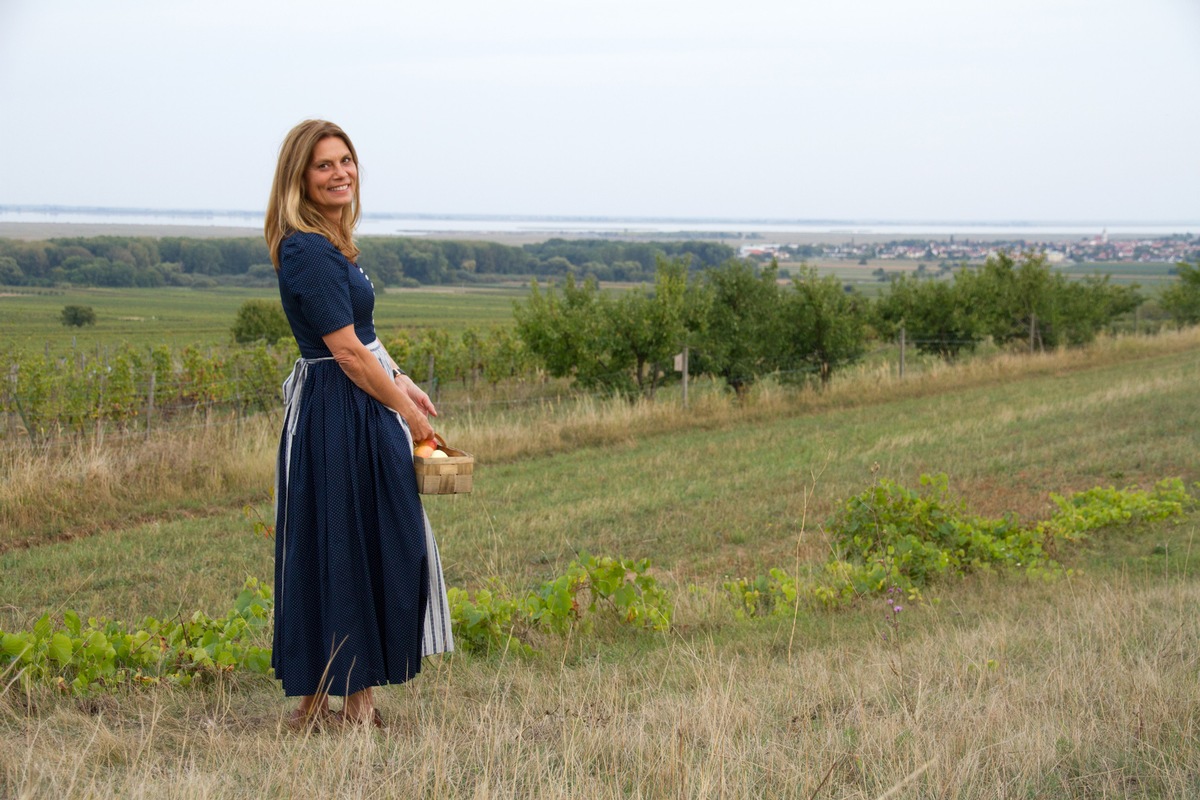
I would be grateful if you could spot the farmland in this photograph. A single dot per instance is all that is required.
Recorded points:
(995, 685)
(30, 319)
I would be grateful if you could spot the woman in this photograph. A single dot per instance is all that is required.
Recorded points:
(359, 596)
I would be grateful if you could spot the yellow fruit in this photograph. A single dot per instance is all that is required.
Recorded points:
(424, 450)
(439, 454)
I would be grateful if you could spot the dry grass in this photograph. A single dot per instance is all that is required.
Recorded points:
(78, 488)
(1083, 689)
(81, 488)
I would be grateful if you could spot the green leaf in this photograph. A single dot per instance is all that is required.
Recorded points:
(97, 644)
(14, 644)
(60, 648)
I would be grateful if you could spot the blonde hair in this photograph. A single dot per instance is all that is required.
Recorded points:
(289, 210)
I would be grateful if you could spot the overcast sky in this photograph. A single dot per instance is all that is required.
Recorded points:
(951, 110)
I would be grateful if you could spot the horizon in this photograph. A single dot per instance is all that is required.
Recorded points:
(55, 209)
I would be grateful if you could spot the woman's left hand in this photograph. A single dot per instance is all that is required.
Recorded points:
(416, 394)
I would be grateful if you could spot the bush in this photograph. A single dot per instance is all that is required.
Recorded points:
(260, 320)
(78, 316)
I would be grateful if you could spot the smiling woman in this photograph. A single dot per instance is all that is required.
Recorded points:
(360, 598)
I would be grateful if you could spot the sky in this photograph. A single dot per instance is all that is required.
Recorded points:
(882, 110)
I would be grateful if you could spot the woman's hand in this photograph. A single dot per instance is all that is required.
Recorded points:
(416, 394)
(419, 427)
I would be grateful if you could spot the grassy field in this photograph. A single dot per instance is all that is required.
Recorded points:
(997, 686)
(1151, 278)
(202, 317)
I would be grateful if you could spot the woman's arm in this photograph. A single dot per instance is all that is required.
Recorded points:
(363, 369)
(414, 390)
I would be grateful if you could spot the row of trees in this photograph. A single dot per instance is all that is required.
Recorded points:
(737, 321)
(391, 261)
(740, 322)
(1005, 301)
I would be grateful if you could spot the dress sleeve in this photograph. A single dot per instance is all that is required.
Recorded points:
(318, 279)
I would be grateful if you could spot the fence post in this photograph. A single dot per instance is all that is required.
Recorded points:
(150, 399)
(902, 348)
(1032, 330)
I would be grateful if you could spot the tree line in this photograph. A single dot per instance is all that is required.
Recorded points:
(127, 261)
(739, 322)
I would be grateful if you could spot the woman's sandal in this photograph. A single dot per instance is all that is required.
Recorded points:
(302, 720)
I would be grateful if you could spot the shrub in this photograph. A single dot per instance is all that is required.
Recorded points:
(78, 316)
(260, 320)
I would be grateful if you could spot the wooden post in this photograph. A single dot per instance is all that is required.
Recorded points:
(685, 377)
(902, 347)
(432, 390)
(1032, 330)
(150, 400)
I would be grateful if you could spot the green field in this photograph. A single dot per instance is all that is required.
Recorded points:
(202, 317)
(30, 319)
(997, 685)
(1152, 277)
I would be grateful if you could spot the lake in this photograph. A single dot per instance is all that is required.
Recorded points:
(417, 224)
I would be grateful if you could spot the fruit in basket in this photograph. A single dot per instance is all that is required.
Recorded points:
(425, 448)
(440, 454)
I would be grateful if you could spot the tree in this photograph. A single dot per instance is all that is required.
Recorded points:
(565, 332)
(1087, 306)
(1030, 304)
(738, 342)
(1013, 302)
(260, 320)
(935, 314)
(78, 316)
(10, 271)
(505, 356)
(823, 325)
(647, 330)
(201, 258)
(617, 343)
(1182, 299)
(424, 262)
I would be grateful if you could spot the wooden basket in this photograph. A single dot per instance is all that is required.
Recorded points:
(449, 475)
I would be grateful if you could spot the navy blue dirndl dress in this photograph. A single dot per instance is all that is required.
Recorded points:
(359, 596)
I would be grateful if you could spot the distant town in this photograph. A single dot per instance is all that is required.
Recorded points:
(1098, 248)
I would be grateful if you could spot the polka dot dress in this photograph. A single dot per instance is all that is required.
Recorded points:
(351, 572)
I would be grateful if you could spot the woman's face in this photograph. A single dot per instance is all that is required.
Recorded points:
(331, 177)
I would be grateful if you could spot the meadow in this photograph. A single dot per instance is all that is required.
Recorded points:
(997, 685)
(30, 319)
